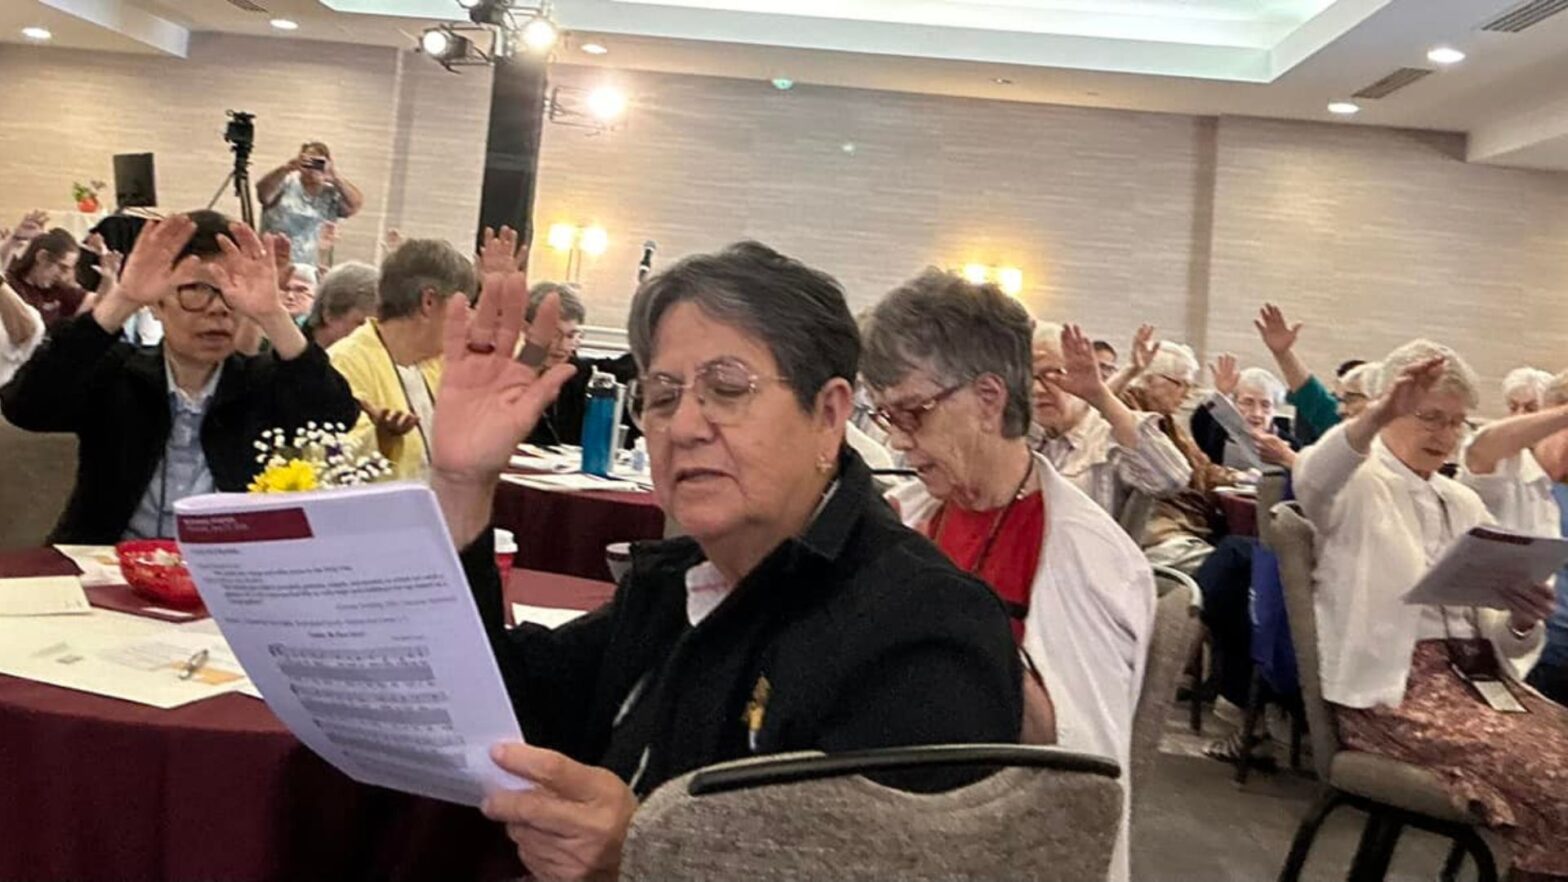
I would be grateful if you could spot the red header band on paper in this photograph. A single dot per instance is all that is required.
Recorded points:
(252, 526)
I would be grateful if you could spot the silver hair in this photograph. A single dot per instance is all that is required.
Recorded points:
(961, 331)
(569, 295)
(1172, 360)
(1261, 380)
(1526, 379)
(797, 312)
(419, 265)
(1364, 378)
(1049, 335)
(1458, 377)
(346, 287)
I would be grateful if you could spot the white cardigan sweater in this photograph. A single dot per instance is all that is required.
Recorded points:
(1370, 552)
(1091, 616)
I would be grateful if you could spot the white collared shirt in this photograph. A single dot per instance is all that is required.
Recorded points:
(1519, 494)
(1088, 456)
(1379, 526)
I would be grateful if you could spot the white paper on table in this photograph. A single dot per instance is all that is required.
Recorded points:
(350, 612)
(1475, 568)
(549, 616)
(543, 464)
(116, 655)
(43, 596)
(570, 483)
(1235, 425)
(98, 563)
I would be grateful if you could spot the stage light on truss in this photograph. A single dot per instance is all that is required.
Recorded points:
(540, 34)
(444, 45)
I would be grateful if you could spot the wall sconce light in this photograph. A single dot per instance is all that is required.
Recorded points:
(1009, 278)
(576, 241)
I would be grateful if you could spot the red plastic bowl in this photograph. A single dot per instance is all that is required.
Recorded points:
(167, 584)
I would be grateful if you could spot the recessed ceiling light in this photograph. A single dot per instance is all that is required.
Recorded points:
(783, 84)
(1002, 81)
(595, 49)
(39, 34)
(1343, 108)
(285, 24)
(848, 147)
(1445, 55)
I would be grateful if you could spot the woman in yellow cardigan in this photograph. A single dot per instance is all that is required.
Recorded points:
(393, 362)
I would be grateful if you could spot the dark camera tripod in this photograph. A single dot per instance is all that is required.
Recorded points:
(241, 137)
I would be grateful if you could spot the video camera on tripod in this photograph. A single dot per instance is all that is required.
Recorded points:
(240, 134)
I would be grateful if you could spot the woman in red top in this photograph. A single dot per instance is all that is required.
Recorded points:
(45, 277)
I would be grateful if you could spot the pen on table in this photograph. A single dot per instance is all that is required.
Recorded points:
(193, 664)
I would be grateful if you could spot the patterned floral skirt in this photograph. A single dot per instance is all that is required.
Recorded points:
(1512, 769)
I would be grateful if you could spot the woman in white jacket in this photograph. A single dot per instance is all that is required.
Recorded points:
(948, 363)
(1384, 514)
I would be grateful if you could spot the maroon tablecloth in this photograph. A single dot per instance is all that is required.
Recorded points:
(566, 532)
(97, 788)
(1241, 513)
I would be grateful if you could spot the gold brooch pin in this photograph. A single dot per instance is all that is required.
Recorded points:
(756, 710)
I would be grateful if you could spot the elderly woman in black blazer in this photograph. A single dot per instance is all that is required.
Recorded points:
(799, 613)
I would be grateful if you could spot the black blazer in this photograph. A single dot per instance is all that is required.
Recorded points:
(858, 634)
(114, 397)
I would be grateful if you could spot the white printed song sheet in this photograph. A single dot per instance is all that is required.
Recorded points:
(351, 614)
(1235, 425)
(43, 596)
(1477, 566)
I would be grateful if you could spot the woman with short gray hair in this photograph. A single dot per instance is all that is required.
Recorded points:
(1257, 395)
(1524, 388)
(344, 299)
(1403, 678)
(949, 366)
(798, 614)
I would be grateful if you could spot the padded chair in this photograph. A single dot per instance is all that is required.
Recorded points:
(1167, 579)
(40, 472)
(1133, 516)
(1049, 814)
(1394, 794)
(1175, 631)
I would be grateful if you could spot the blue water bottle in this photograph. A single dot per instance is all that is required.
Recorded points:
(599, 424)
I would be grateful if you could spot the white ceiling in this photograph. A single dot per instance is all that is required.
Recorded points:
(1274, 58)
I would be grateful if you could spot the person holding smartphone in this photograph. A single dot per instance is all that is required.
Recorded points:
(302, 196)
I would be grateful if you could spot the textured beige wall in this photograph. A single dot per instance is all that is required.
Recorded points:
(1369, 235)
(1373, 236)
(1096, 207)
(407, 133)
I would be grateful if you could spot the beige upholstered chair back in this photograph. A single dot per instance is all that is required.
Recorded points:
(40, 471)
(1175, 629)
(1019, 823)
(1271, 492)
(1290, 536)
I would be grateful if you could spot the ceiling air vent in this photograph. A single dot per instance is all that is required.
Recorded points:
(247, 5)
(1523, 16)
(1394, 81)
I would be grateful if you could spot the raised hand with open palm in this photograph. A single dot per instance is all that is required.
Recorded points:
(488, 402)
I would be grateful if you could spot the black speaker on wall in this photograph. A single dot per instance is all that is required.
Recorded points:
(134, 184)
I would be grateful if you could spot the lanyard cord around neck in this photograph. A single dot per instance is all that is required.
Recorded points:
(996, 524)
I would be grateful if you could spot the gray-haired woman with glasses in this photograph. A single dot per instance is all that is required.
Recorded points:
(799, 614)
(949, 366)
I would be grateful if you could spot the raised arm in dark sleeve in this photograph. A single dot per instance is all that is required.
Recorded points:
(308, 387)
(550, 674)
(50, 392)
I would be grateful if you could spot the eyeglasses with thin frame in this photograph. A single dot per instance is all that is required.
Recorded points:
(198, 296)
(908, 418)
(1436, 421)
(724, 390)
